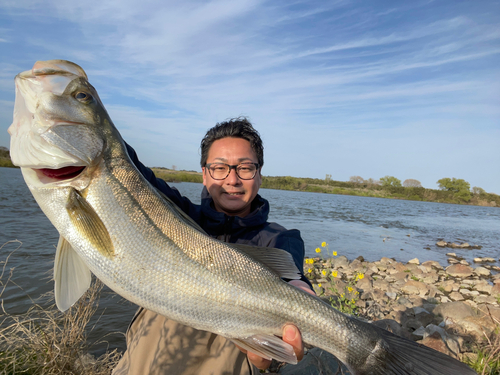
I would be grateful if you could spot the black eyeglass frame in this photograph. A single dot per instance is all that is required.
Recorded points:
(235, 167)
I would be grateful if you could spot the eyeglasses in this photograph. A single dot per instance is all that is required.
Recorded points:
(220, 171)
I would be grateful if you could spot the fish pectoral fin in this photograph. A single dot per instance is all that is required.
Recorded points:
(278, 260)
(72, 277)
(88, 223)
(268, 346)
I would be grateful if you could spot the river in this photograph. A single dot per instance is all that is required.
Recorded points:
(352, 226)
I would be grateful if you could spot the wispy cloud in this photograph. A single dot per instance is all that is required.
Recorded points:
(338, 80)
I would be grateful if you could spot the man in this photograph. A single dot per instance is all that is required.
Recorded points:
(232, 157)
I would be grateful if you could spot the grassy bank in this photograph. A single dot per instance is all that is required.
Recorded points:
(45, 341)
(346, 188)
(316, 185)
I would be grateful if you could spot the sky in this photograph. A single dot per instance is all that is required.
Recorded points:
(345, 88)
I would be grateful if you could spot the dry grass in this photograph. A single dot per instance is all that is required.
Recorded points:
(45, 341)
(485, 358)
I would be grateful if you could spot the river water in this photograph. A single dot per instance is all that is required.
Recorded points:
(352, 226)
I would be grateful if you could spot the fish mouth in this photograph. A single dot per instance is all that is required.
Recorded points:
(61, 174)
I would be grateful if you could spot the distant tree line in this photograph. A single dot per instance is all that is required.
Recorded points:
(451, 190)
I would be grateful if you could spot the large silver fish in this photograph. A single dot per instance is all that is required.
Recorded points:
(114, 224)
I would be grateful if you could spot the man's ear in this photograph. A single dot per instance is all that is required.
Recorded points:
(204, 171)
(260, 177)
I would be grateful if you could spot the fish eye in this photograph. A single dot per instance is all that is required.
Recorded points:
(83, 96)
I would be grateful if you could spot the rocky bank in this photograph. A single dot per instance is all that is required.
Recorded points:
(447, 308)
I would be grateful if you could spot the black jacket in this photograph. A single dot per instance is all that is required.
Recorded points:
(253, 229)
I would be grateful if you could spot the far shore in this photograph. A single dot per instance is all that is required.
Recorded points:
(316, 185)
(345, 188)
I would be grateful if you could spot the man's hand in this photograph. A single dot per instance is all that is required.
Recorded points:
(291, 335)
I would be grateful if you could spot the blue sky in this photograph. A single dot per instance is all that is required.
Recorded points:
(367, 88)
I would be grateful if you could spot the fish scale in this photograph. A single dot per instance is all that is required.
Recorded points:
(114, 224)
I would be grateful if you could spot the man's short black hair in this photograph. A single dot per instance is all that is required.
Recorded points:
(234, 128)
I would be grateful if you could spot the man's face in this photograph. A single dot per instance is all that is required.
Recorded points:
(233, 196)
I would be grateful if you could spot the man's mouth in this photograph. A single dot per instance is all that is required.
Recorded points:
(65, 173)
(234, 193)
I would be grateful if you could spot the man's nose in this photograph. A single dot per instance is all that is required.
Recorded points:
(233, 178)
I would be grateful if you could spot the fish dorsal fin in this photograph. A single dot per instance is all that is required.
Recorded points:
(278, 260)
(269, 347)
(72, 277)
(181, 213)
(88, 223)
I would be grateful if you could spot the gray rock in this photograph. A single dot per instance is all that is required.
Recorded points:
(415, 287)
(459, 270)
(448, 288)
(405, 302)
(364, 284)
(414, 261)
(391, 295)
(451, 341)
(486, 299)
(430, 278)
(454, 310)
(484, 260)
(340, 262)
(423, 316)
(380, 284)
(315, 362)
(495, 290)
(484, 288)
(456, 296)
(435, 342)
(393, 326)
(432, 264)
(481, 271)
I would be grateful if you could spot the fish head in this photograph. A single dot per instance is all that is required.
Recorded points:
(60, 125)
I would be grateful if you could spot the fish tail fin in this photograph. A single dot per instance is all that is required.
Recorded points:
(403, 356)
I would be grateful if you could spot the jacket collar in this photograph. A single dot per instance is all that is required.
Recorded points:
(218, 222)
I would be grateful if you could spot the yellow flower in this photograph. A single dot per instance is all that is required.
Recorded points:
(360, 276)
(323, 272)
(334, 253)
(319, 285)
(323, 244)
(318, 250)
(350, 289)
(334, 273)
(309, 270)
(342, 295)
